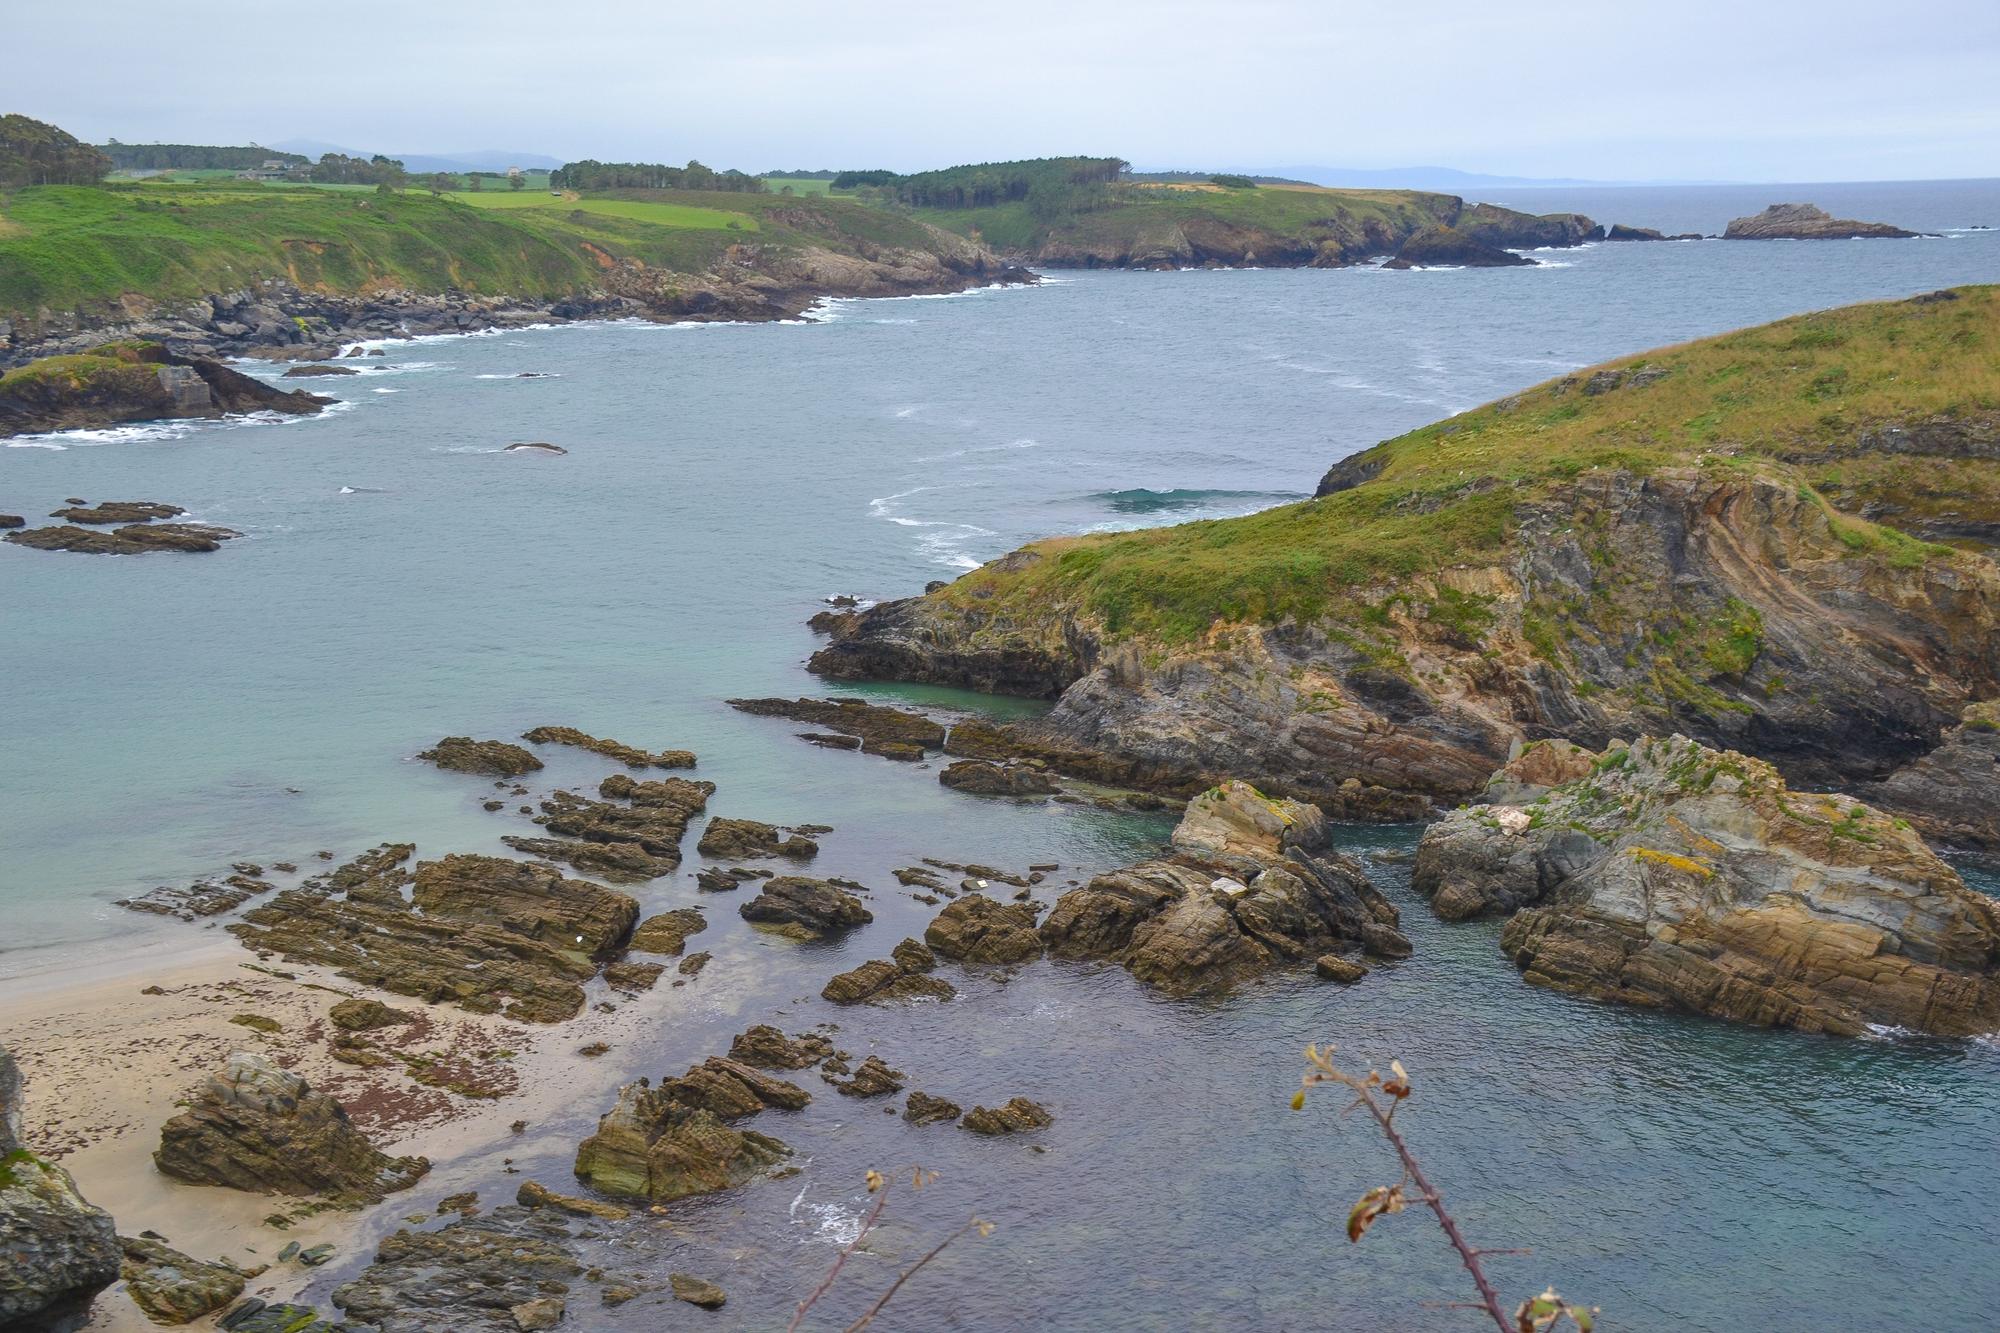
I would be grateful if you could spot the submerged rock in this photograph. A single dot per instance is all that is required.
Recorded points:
(136, 539)
(463, 754)
(1018, 1116)
(475, 1275)
(256, 1127)
(741, 839)
(890, 732)
(696, 1291)
(628, 755)
(173, 1288)
(532, 1195)
(668, 932)
(56, 1250)
(1677, 876)
(1252, 883)
(805, 908)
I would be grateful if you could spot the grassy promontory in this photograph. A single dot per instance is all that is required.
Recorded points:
(1776, 540)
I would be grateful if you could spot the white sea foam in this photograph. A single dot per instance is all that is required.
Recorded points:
(518, 375)
(836, 1224)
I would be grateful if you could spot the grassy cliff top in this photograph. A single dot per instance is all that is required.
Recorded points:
(1121, 213)
(1783, 398)
(64, 247)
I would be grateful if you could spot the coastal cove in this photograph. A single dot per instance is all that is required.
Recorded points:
(402, 577)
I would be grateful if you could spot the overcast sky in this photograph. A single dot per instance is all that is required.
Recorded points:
(1755, 90)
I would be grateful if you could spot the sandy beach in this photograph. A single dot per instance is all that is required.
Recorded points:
(111, 1049)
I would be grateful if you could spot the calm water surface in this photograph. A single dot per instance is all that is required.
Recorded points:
(403, 579)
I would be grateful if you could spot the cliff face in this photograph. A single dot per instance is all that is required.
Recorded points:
(1540, 568)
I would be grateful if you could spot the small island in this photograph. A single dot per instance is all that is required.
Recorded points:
(1805, 222)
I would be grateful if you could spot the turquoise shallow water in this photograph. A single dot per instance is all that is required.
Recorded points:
(402, 579)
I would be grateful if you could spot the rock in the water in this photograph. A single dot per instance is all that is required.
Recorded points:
(56, 1250)
(637, 840)
(668, 932)
(259, 1128)
(882, 981)
(496, 758)
(1805, 222)
(532, 1195)
(477, 1275)
(767, 1048)
(920, 1108)
(740, 839)
(1436, 247)
(173, 1288)
(133, 381)
(1018, 1116)
(136, 539)
(1332, 967)
(988, 779)
(695, 1291)
(889, 732)
(651, 1145)
(871, 1078)
(913, 956)
(976, 929)
(118, 512)
(805, 908)
(1252, 884)
(628, 755)
(487, 933)
(1677, 876)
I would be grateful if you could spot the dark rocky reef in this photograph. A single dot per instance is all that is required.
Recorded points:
(56, 1250)
(677, 1140)
(483, 932)
(889, 732)
(1439, 247)
(462, 754)
(137, 532)
(1805, 222)
(637, 840)
(135, 381)
(1670, 875)
(256, 1127)
(507, 1271)
(805, 908)
(628, 755)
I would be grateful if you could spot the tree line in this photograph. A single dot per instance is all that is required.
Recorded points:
(1065, 181)
(193, 157)
(590, 174)
(35, 153)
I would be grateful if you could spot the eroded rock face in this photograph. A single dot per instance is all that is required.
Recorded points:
(1805, 222)
(743, 839)
(1677, 876)
(1251, 884)
(56, 1250)
(138, 381)
(463, 754)
(805, 908)
(258, 1128)
(1437, 247)
(1952, 794)
(525, 960)
(1018, 1116)
(767, 1048)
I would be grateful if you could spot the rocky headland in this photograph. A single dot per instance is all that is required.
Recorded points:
(111, 382)
(1566, 562)
(1806, 222)
(1666, 874)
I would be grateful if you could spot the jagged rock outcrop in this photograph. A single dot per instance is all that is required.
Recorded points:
(462, 754)
(767, 1048)
(804, 908)
(668, 932)
(1439, 247)
(256, 1127)
(904, 976)
(1252, 883)
(1805, 222)
(626, 843)
(1018, 1116)
(484, 932)
(132, 539)
(173, 1288)
(1952, 794)
(133, 381)
(675, 1140)
(1507, 229)
(1676, 876)
(744, 839)
(56, 1250)
(976, 929)
(921, 1108)
(984, 778)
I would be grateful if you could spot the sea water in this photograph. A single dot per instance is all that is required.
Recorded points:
(403, 577)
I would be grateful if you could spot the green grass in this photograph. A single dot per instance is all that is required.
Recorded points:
(1449, 494)
(801, 186)
(73, 247)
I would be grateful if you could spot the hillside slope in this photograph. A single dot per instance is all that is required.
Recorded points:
(1739, 539)
(146, 259)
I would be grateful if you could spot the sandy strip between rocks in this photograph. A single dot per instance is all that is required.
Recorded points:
(111, 1049)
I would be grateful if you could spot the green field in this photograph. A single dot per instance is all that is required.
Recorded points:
(659, 214)
(1448, 494)
(803, 186)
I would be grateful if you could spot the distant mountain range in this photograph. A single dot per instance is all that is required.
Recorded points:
(477, 159)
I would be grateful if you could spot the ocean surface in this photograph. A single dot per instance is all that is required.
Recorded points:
(403, 578)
